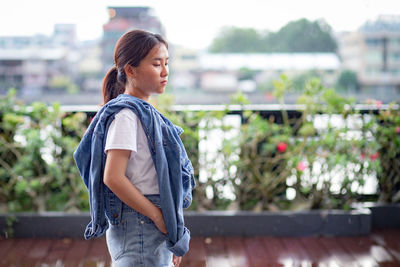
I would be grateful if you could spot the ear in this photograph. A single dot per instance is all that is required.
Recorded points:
(130, 71)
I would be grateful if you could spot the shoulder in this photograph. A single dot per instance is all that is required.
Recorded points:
(127, 113)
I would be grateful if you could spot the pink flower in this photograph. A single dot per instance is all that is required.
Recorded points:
(281, 147)
(397, 129)
(378, 104)
(301, 166)
(362, 156)
(268, 96)
(374, 156)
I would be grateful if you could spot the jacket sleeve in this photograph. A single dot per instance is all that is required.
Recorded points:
(89, 160)
(187, 170)
(182, 245)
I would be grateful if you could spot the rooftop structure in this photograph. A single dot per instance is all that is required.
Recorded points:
(384, 23)
(274, 61)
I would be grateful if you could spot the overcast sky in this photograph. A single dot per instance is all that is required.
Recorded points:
(189, 23)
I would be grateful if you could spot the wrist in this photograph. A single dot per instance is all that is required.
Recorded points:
(156, 214)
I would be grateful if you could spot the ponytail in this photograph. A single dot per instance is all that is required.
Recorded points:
(112, 87)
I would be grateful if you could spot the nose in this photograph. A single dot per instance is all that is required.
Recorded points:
(165, 71)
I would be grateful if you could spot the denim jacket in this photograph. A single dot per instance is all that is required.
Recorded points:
(173, 167)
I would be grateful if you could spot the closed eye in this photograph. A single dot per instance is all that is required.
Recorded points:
(158, 65)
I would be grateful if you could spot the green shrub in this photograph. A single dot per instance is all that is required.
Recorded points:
(37, 170)
(269, 163)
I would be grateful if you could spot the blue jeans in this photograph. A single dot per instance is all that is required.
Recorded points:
(136, 241)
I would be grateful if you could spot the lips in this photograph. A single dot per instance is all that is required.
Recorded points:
(164, 82)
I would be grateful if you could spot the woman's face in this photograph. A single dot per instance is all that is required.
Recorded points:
(151, 76)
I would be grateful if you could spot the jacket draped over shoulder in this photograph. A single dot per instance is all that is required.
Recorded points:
(173, 167)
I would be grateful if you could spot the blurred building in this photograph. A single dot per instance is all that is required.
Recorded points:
(121, 20)
(64, 35)
(89, 67)
(230, 72)
(29, 63)
(21, 42)
(184, 68)
(373, 53)
(30, 70)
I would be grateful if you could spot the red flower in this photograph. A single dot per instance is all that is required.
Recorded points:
(397, 130)
(281, 147)
(374, 156)
(362, 156)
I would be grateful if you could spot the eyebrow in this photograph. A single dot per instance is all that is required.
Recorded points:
(158, 58)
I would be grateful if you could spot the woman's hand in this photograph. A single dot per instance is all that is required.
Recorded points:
(159, 221)
(115, 179)
(176, 261)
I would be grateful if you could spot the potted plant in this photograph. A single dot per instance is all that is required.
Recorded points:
(387, 156)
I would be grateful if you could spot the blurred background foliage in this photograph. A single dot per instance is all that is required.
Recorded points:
(269, 163)
(37, 170)
(296, 36)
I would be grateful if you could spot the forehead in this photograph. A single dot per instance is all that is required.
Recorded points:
(159, 51)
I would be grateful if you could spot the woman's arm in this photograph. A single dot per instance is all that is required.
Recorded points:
(115, 179)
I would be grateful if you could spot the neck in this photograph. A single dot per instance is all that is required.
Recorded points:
(137, 94)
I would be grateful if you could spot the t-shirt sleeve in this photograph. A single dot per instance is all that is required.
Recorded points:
(122, 133)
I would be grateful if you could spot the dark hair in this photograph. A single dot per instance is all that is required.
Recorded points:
(130, 49)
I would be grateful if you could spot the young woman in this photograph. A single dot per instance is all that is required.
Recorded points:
(133, 162)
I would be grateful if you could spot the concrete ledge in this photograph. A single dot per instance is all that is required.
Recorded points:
(46, 224)
(210, 223)
(304, 223)
(384, 215)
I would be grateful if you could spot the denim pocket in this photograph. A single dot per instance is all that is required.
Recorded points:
(115, 236)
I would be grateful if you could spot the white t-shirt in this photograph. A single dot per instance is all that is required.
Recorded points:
(126, 132)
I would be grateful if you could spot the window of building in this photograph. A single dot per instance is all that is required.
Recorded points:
(373, 42)
(372, 71)
(395, 42)
(10, 63)
(18, 79)
(394, 71)
(188, 57)
(395, 57)
(373, 57)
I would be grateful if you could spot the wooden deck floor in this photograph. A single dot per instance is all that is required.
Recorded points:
(381, 248)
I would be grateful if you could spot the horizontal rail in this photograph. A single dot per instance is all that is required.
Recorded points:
(231, 108)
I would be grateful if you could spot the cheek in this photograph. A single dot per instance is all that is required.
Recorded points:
(148, 77)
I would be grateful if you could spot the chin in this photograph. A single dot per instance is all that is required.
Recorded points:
(162, 90)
